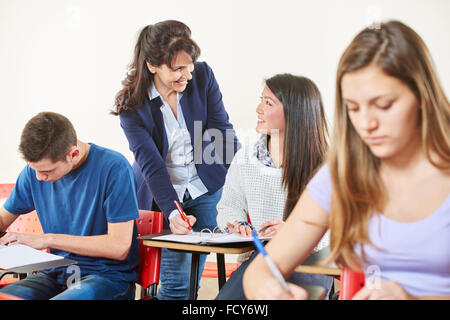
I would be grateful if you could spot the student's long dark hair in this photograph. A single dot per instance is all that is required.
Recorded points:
(156, 44)
(305, 132)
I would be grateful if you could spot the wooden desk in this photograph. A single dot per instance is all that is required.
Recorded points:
(310, 264)
(196, 250)
(330, 271)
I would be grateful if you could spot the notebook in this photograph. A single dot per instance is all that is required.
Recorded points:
(21, 258)
(206, 238)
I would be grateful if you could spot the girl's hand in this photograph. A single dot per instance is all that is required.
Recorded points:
(270, 228)
(237, 227)
(383, 290)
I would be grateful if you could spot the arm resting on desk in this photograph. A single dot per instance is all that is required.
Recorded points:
(113, 245)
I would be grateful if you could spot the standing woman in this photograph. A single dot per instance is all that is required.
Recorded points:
(385, 191)
(265, 182)
(170, 108)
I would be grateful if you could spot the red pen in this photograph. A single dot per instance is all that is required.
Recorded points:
(183, 216)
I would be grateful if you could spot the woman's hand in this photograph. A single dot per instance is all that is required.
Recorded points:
(383, 290)
(179, 226)
(270, 228)
(241, 228)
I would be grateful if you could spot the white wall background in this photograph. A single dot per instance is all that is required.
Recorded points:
(70, 56)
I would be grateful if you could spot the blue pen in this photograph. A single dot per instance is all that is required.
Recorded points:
(260, 247)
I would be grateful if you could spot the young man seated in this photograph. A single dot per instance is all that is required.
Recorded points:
(85, 198)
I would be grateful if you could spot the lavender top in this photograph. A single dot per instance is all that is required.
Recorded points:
(414, 254)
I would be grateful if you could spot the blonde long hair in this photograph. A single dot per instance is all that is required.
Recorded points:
(357, 187)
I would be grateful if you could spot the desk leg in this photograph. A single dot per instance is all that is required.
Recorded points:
(195, 264)
(221, 276)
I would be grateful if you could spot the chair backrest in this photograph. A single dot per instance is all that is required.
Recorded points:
(26, 223)
(149, 222)
(351, 282)
(5, 190)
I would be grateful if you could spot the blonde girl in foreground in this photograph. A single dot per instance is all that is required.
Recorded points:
(384, 190)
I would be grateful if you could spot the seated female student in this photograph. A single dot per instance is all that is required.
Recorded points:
(384, 191)
(266, 181)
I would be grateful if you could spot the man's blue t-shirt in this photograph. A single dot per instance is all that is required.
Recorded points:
(81, 203)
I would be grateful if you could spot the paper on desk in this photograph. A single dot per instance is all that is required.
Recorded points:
(18, 255)
(202, 237)
(233, 237)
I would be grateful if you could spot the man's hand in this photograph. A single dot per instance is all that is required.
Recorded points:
(36, 241)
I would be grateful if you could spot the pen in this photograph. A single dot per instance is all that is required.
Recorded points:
(260, 247)
(183, 216)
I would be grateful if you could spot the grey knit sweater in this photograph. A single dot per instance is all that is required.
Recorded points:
(253, 188)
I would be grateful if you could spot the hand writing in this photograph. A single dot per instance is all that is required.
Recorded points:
(179, 226)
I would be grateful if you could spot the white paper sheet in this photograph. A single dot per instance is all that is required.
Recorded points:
(19, 255)
(204, 237)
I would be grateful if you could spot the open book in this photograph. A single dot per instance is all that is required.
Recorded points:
(21, 258)
(206, 238)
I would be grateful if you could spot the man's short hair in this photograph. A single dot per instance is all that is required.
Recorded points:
(47, 135)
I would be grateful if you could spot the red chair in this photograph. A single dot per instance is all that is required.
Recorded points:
(26, 223)
(7, 281)
(150, 258)
(5, 190)
(5, 296)
(351, 282)
(210, 269)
